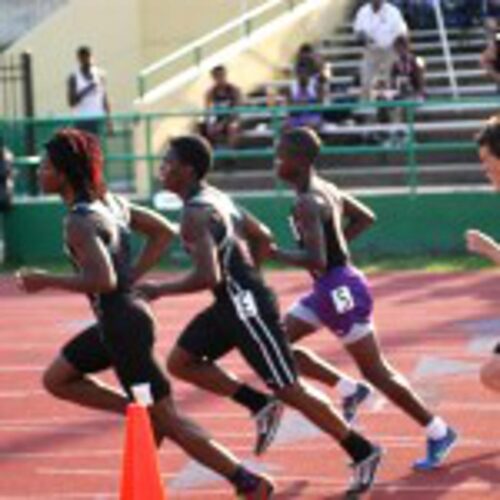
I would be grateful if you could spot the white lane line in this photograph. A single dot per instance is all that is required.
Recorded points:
(21, 394)
(64, 496)
(22, 368)
(387, 441)
(336, 487)
(318, 481)
(52, 432)
(61, 421)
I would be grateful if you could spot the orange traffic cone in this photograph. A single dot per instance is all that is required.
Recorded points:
(140, 473)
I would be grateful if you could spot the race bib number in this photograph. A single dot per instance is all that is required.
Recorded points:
(245, 304)
(342, 299)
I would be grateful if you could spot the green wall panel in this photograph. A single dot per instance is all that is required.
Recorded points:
(406, 225)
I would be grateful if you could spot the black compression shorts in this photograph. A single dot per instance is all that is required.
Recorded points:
(255, 330)
(122, 340)
(496, 350)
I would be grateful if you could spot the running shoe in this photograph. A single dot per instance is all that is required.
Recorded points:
(267, 421)
(363, 473)
(437, 450)
(351, 403)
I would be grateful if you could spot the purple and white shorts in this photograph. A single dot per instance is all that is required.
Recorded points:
(341, 301)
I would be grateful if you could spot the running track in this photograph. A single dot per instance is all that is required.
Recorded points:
(435, 328)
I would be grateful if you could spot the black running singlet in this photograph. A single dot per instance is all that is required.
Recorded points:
(111, 218)
(337, 251)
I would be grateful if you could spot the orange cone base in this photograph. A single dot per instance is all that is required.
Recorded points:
(141, 478)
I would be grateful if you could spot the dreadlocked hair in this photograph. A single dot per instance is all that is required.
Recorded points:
(78, 156)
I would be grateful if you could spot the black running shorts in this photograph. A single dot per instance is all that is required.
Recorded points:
(250, 325)
(123, 340)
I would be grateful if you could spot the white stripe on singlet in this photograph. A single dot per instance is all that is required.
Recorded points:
(260, 333)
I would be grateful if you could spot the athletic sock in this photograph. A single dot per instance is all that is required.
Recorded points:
(436, 428)
(250, 398)
(346, 387)
(357, 446)
(244, 481)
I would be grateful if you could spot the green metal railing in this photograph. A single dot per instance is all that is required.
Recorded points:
(134, 146)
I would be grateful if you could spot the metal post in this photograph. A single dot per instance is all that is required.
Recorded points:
(446, 47)
(149, 153)
(243, 10)
(29, 114)
(412, 167)
(198, 55)
(142, 85)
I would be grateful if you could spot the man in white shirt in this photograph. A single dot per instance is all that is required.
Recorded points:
(87, 95)
(377, 25)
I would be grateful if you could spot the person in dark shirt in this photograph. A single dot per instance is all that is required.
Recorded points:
(222, 127)
(407, 72)
(490, 59)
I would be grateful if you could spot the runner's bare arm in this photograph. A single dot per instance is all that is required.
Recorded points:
(205, 273)
(484, 245)
(96, 269)
(313, 254)
(158, 232)
(359, 216)
(258, 236)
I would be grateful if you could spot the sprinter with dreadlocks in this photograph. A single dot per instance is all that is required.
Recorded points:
(97, 236)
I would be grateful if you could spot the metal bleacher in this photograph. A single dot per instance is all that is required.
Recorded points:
(439, 121)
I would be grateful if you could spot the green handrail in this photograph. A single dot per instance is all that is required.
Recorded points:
(120, 161)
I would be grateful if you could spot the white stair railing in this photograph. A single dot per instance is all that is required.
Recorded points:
(195, 52)
(443, 34)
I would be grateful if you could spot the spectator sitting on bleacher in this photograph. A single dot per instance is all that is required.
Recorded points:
(490, 59)
(406, 83)
(377, 25)
(408, 72)
(311, 62)
(305, 90)
(492, 17)
(223, 95)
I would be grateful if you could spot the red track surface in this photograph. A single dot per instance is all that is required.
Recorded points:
(428, 325)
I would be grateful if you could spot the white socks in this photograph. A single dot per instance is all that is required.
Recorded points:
(436, 428)
(346, 387)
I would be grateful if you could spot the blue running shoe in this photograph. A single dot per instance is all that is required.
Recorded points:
(351, 403)
(437, 450)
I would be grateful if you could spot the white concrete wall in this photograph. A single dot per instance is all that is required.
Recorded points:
(170, 24)
(248, 68)
(111, 27)
(126, 35)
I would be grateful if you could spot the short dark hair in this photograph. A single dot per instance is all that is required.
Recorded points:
(303, 141)
(84, 50)
(305, 47)
(489, 135)
(195, 151)
(218, 69)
